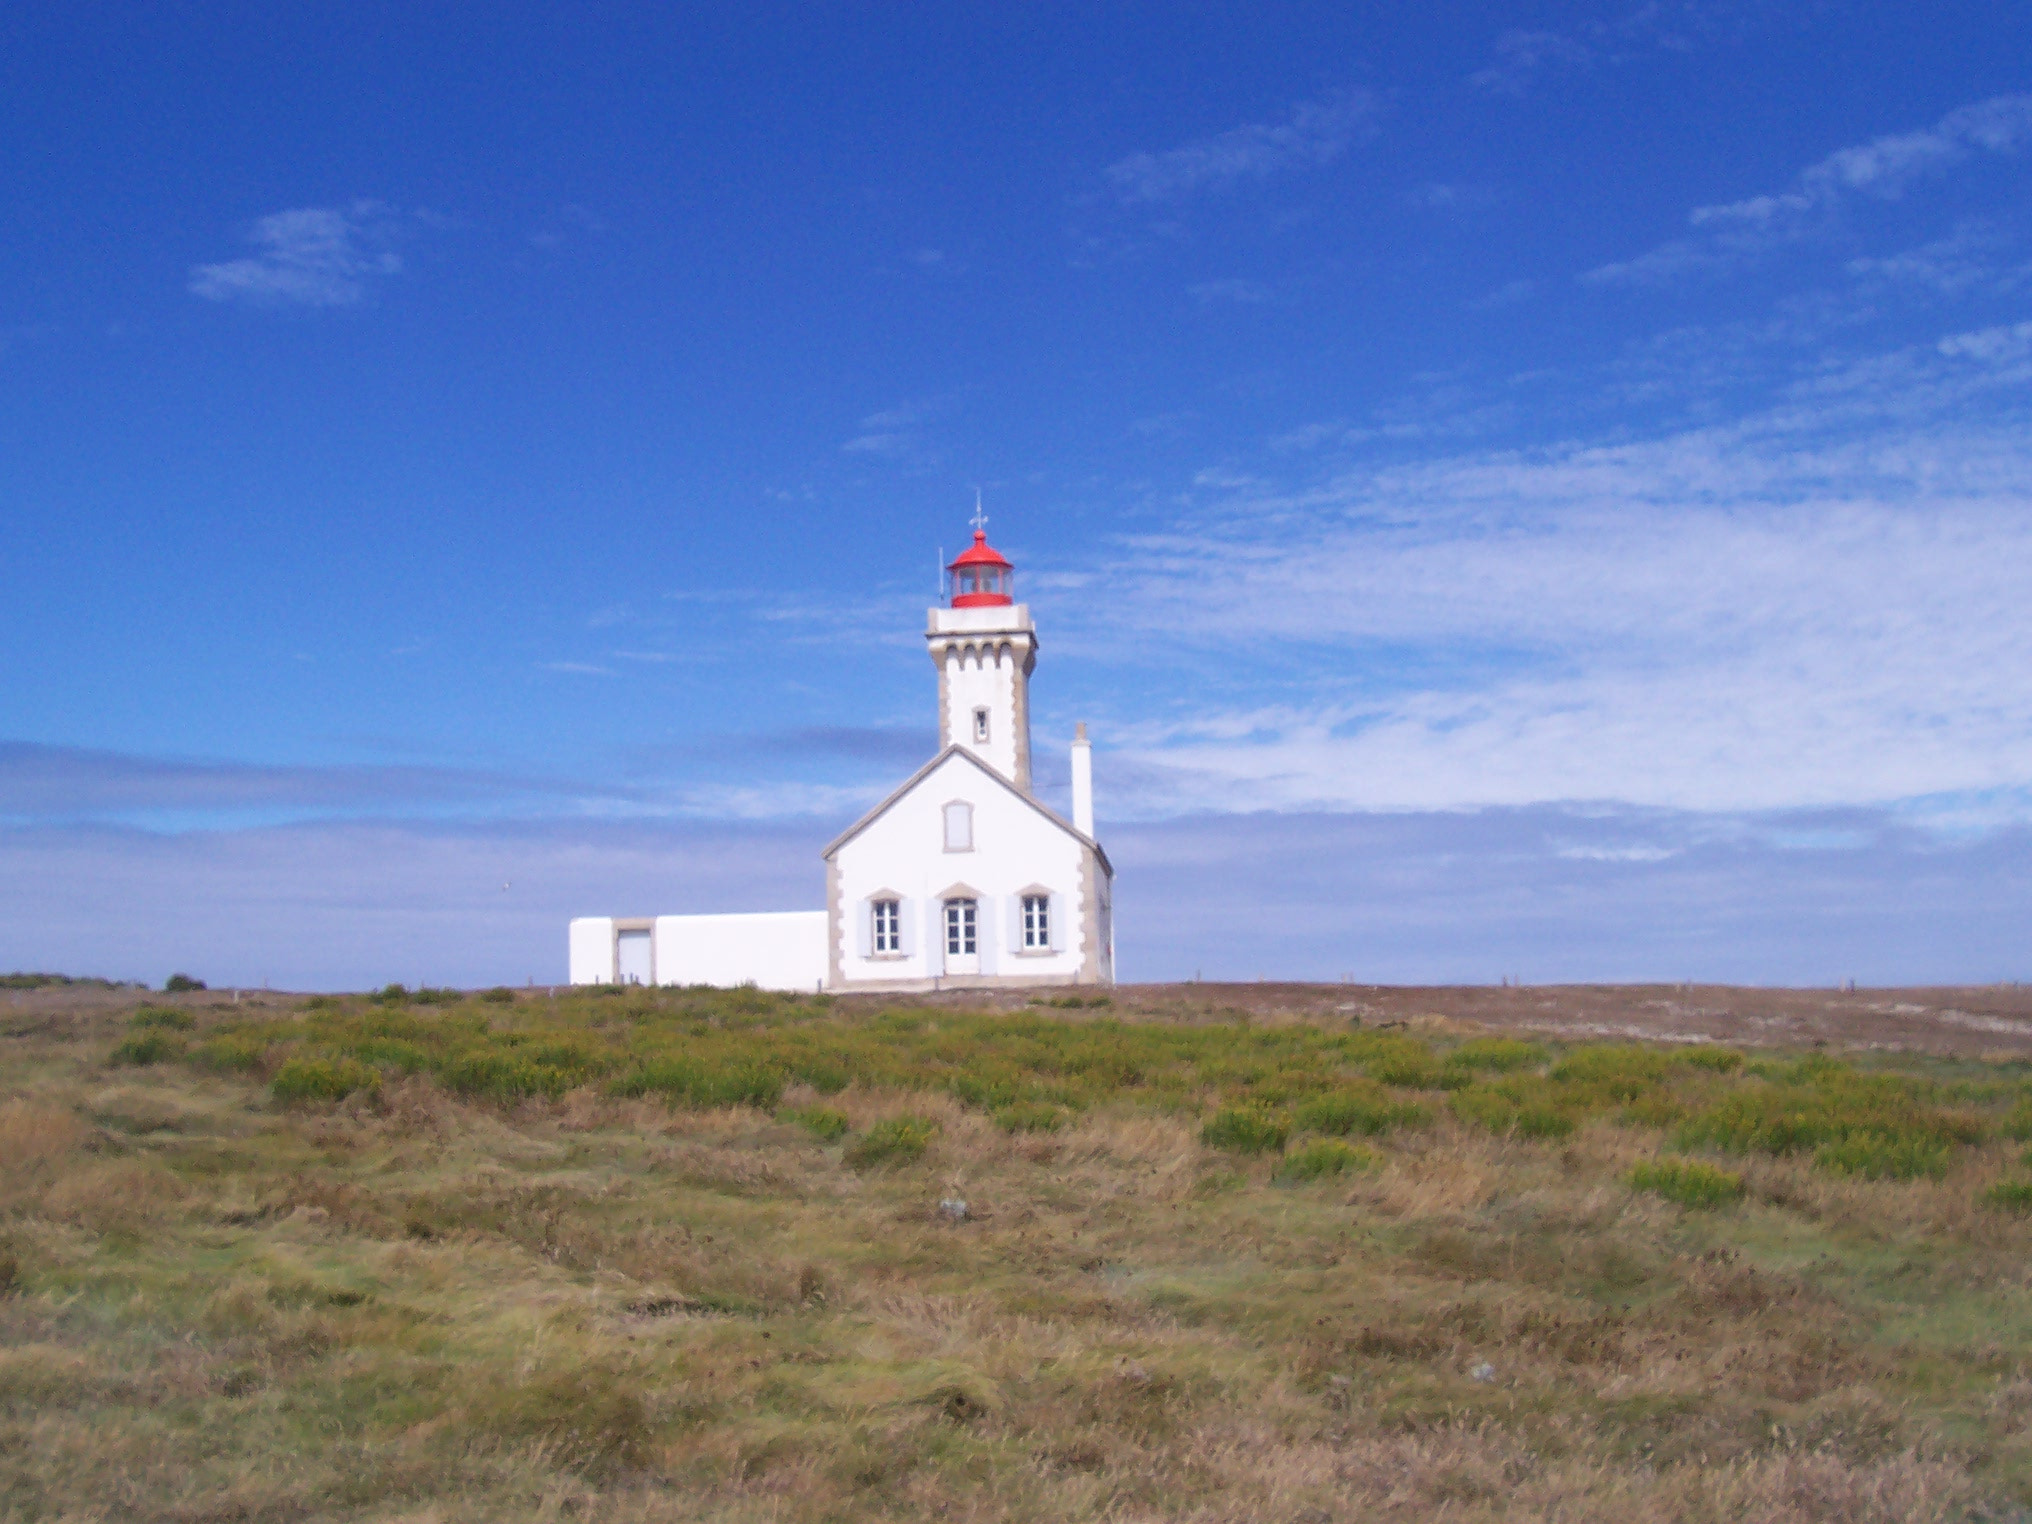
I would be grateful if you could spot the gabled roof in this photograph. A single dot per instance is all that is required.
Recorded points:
(931, 767)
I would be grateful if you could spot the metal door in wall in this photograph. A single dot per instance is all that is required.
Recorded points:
(631, 958)
(962, 937)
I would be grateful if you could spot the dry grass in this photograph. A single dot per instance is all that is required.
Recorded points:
(407, 1305)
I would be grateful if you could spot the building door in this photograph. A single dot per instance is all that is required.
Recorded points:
(962, 936)
(631, 957)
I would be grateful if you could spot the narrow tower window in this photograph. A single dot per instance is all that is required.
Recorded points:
(962, 921)
(959, 827)
(980, 724)
(888, 927)
(1036, 923)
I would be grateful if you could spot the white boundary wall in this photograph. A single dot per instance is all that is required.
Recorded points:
(777, 950)
(592, 950)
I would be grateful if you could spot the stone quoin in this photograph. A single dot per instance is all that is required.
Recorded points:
(960, 879)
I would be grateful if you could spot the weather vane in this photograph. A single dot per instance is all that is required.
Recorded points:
(980, 520)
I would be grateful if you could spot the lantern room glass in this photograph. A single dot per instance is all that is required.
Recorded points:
(981, 584)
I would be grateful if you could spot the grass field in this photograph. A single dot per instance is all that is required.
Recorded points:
(695, 1255)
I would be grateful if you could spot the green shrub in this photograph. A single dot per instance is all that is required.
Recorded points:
(898, 1140)
(390, 1053)
(822, 1122)
(390, 994)
(179, 984)
(500, 994)
(1719, 1060)
(495, 1076)
(1875, 1156)
(1498, 1055)
(1687, 1181)
(1415, 1070)
(689, 1082)
(323, 1079)
(2017, 1126)
(1657, 1108)
(825, 1077)
(20, 981)
(163, 1016)
(1369, 1110)
(229, 1053)
(1246, 1130)
(1876, 1125)
(567, 1053)
(2010, 1196)
(1611, 1071)
(1030, 1116)
(1526, 1105)
(150, 1047)
(430, 995)
(1325, 1156)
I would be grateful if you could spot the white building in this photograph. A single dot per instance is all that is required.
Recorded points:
(959, 879)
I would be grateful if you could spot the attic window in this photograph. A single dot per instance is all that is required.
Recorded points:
(980, 724)
(959, 827)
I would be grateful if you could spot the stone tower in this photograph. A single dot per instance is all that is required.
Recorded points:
(985, 646)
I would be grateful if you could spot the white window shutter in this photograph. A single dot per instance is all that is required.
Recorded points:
(1012, 925)
(1055, 908)
(864, 928)
(906, 928)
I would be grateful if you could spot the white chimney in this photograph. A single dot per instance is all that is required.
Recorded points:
(1082, 782)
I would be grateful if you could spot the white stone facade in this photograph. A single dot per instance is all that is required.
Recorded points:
(959, 879)
(907, 853)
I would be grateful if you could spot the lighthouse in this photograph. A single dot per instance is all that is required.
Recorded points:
(985, 648)
(960, 879)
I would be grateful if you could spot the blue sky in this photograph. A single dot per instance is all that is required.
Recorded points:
(1535, 490)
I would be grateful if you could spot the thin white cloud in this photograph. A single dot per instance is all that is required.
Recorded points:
(1730, 234)
(1968, 259)
(579, 668)
(1316, 132)
(1821, 605)
(1522, 55)
(894, 444)
(1443, 196)
(2012, 342)
(1886, 166)
(315, 256)
(1617, 854)
(1509, 294)
(658, 658)
(898, 435)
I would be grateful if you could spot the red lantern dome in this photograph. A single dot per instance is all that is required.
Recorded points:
(981, 576)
